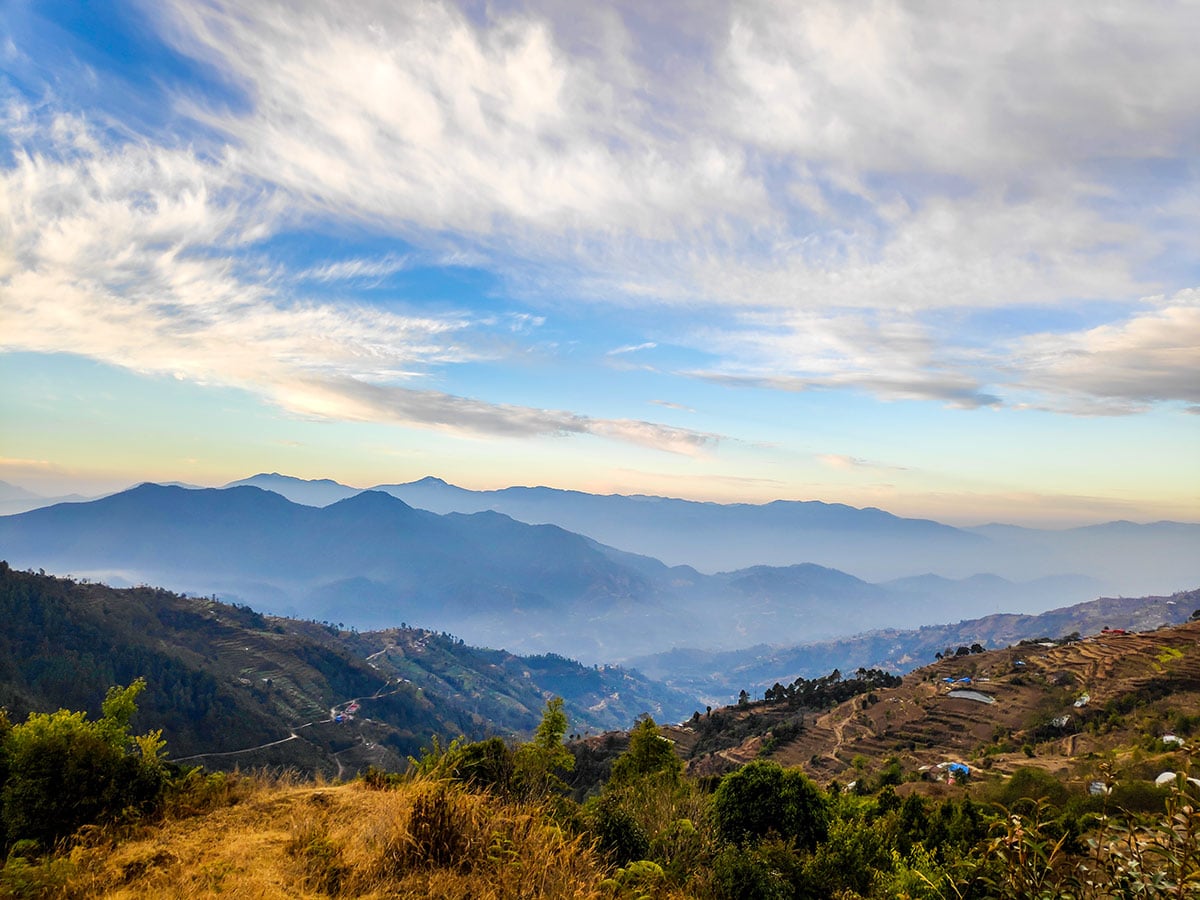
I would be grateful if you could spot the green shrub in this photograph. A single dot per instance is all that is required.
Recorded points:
(1138, 797)
(64, 772)
(850, 860)
(486, 764)
(742, 874)
(618, 834)
(641, 878)
(762, 798)
(1030, 783)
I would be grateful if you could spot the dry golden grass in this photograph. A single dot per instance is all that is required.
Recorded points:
(424, 839)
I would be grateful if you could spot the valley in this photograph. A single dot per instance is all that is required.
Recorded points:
(371, 561)
(233, 688)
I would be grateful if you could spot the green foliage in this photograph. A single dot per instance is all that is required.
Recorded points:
(850, 859)
(489, 764)
(26, 876)
(536, 764)
(741, 873)
(192, 791)
(649, 753)
(916, 876)
(1031, 784)
(763, 797)
(619, 835)
(641, 878)
(63, 771)
(1138, 796)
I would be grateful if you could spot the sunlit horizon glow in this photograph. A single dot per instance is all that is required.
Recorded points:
(937, 260)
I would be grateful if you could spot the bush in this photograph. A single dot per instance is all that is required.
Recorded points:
(854, 856)
(486, 764)
(1138, 797)
(618, 834)
(64, 772)
(741, 874)
(762, 798)
(639, 879)
(1030, 783)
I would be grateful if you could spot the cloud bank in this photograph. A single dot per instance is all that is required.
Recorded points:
(824, 197)
(128, 255)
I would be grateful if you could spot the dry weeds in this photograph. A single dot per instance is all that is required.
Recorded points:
(427, 838)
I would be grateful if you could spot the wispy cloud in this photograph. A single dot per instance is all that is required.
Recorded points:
(832, 189)
(842, 461)
(127, 254)
(347, 269)
(805, 158)
(667, 404)
(8, 462)
(632, 348)
(358, 400)
(423, 118)
(890, 356)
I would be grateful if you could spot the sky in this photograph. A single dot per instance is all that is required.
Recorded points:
(936, 257)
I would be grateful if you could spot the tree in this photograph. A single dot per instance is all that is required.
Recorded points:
(649, 753)
(537, 762)
(763, 797)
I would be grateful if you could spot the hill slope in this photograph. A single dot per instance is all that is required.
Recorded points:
(222, 679)
(1051, 705)
(718, 676)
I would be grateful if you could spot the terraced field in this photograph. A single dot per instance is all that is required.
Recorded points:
(1128, 687)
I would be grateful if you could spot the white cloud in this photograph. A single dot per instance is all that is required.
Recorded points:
(349, 269)
(1146, 357)
(889, 355)
(1122, 367)
(668, 404)
(128, 254)
(415, 116)
(824, 185)
(632, 348)
(961, 89)
(869, 158)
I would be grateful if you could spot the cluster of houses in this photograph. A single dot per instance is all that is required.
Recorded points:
(949, 772)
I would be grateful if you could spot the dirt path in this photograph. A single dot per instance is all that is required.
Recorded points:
(292, 736)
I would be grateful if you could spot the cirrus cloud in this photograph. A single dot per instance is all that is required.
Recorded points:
(128, 254)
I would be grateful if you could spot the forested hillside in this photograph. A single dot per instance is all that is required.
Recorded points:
(222, 679)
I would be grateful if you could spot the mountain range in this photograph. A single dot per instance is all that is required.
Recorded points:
(1123, 557)
(373, 561)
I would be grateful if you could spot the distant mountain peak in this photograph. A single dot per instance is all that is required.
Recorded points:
(288, 479)
(372, 499)
(15, 491)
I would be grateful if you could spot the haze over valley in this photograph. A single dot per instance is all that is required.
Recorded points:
(370, 560)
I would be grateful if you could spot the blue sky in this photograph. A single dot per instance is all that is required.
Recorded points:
(939, 259)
